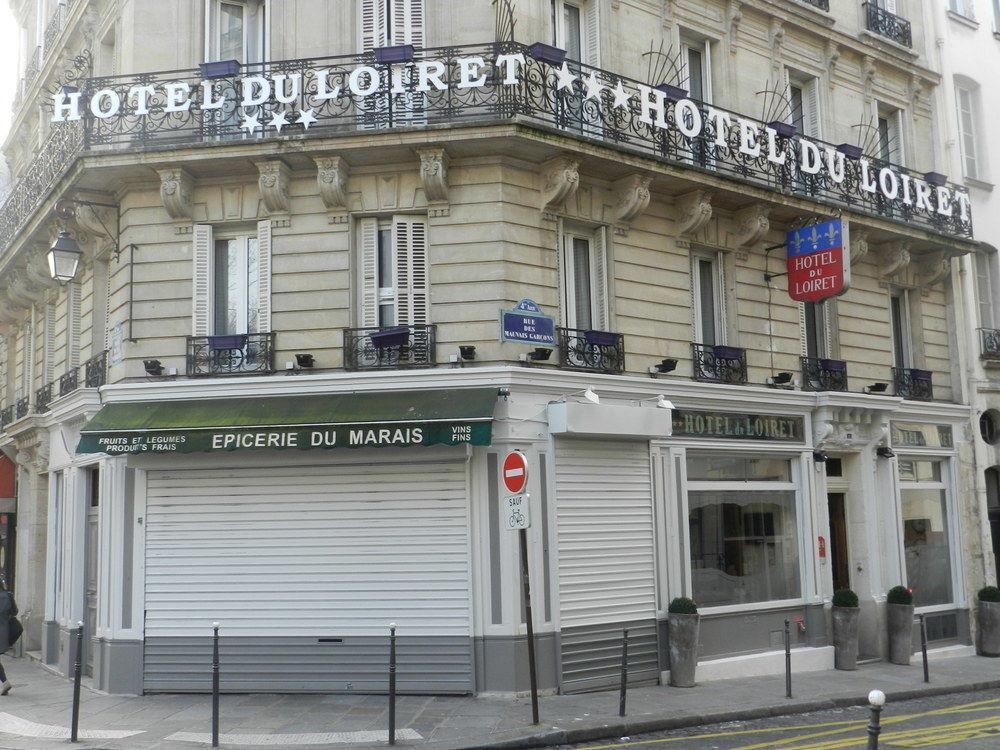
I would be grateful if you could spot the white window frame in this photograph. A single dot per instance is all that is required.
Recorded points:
(242, 281)
(905, 345)
(964, 8)
(823, 332)
(704, 48)
(987, 272)
(812, 108)
(411, 302)
(598, 263)
(590, 39)
(894, 119)
(966, 101)
(257, 15)
(996, 16)
(719, 286)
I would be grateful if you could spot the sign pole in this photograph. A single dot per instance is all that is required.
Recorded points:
(523, 535)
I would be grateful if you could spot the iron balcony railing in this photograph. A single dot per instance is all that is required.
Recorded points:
(69, 381)
(593, 351)
(95, 370)
(823, 374)
(6, 416)
(719, 364)
(598, 106)
(241, 354)
(912, 384)
(989, 343)
(389, 347)
(43, 397)
(22, 407)
(889, 25)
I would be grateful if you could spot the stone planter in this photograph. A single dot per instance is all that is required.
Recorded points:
(845, 637)
(989, 629)
(899, 618)
(683, 635)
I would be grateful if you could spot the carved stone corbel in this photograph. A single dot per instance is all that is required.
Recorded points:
(932, 269)
(332, 174)
(735, 15)
(560, 180)
(859, 246)
(776, 36)
(894, 258)
(694, 209)
(752, 224)
(631, 199)
(37, 272)
(868, 71)
(273, 184)
(832, 58)
(176, 188)
(20, 290)
(434, 176)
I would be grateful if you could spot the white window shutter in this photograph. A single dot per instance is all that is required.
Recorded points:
(786, 91)
(419, 291)
(890, 5)
(592, 33)
(264, 275)
(812, 113)
(803, 327)
(721, 295)
(373, 24)
(73, 325)
(368, 258)
(601, 282)
(49, 351)
(408, 22)
(202, 253)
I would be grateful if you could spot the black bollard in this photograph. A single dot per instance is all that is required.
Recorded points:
(215, 684)
(392, 683)
(77, 673)
(624, 685)
(788, 660)
(876, 699)
(923, 647)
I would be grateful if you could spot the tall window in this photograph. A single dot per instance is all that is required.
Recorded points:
(803, 104)
(743, 529)
(584, 265)
(889, 5)
(707, 290)
(236, 30)
(393, 268)
(697, 61)
(962, 7)
(237, 286)
(899, 313)
(926, 528)
(391, 22)
(996, 15)
(965, 99)
(814, 321)
(890, 134)
(575, 27)
(987, 291)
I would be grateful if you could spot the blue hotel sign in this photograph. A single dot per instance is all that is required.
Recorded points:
(527, 324)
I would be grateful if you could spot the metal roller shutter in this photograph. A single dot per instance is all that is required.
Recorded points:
(304, 567)
(606, 563)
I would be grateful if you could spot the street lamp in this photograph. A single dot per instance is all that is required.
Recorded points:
(64, 258)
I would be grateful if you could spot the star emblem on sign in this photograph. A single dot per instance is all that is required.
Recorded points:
(306, 118)
(250, 123)
(594, 88)
(278, 120)
(622, 97)
(564, 78)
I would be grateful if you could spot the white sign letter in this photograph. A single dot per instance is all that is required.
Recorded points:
(430, 71)
(688, 118)
(810, 163)
(178, 96)
(748, 139)
(471, 76)
(263, 94)
(509, 63)
(283, 96)
(354, 82)
(66, 106)
(658, 104)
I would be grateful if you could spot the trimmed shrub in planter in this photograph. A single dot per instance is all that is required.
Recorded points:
(683, 623)
(989, 621)
(845, 616)
(899, 619)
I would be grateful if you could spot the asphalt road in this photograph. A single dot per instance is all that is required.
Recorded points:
(970, 721)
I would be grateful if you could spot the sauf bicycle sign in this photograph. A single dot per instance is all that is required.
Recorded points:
(514, 477)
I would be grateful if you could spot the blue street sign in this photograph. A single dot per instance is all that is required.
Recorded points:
(527, 324)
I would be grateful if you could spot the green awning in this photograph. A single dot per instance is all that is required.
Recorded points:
(354, 420)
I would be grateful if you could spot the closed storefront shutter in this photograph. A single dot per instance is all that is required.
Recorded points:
(305, 567)
(606, 563)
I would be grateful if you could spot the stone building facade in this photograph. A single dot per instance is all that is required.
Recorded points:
(281, 368)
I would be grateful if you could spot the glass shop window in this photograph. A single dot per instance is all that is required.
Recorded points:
(925, 509)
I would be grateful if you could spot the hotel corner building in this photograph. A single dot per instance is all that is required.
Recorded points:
(279, 387)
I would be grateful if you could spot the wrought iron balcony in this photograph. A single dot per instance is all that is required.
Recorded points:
(95, 370)
(823, 374)
(22, 407)
(912, 384)
(241, 354)
(821, 4)
(6, 416)
(719, 364)
(389, 347)
(889, 25)
(43, 397)
(593, 351)
(989, 343)
(537, 97)
(69, 381)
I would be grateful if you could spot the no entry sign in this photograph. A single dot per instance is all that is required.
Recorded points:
(515, 472)
(819, 261)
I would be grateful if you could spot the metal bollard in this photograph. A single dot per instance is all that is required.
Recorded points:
(624, 685)
(788, 660)
(392, 683)
(215, 684)
(74, 731)
(923, 647)
(876, 699)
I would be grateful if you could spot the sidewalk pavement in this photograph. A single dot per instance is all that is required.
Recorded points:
(37, 714)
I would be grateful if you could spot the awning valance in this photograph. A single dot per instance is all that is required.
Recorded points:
(353, 420)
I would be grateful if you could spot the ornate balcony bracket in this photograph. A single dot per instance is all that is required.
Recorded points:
(932, 269)
(752, 225)
(273, 184)
(694, 209)
(894, 257)
(859, 246)
(560, 180)
(434, 176)
(176, 189)
(332, 174)
(846, 428)
(631, 199)
(35, 269)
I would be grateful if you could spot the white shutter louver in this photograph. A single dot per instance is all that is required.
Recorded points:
(49, 343)
(73, 326)
(201, 293)
(401, 246)
(602, 317)
(890, 5)
(373, 24)
(368, 258)
(409, 235)
(803, 327)
(264, 275)
(408, 22)
(811, 116)
(722, 294)
(592, 33)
